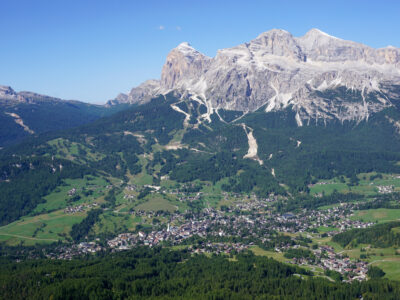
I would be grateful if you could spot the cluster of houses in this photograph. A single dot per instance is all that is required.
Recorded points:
(385, 189)
(72, 192)
(174, 234)
(318, 183)
(219, 248)
(129, 196)
(354, 270)
(125, 241)
(132, 187)
(188, 198)
(326, 258)
(247, 219)
(68, 252)
(336, 217)
(79, 208)
(250, 219)
(339, 217)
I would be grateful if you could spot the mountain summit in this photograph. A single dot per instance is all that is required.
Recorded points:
(317, 75)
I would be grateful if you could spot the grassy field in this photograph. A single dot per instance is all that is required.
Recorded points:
(156, 202)
(213, 193)
(323, 229)
(46, 228)
(48, 222)
(142, 178)
(71, 150)
(390, 265)
(379, 215)
(168, 183)
(113, 223)
(58, 199)
(275, 255)
(328, 206)
(327, 241)
(329, 187)
(366, 186)
(179, 247)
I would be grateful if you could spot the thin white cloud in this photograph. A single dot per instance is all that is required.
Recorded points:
(179, 28)
(161, 27)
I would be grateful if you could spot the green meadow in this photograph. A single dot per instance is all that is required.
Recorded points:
(44, 228)
(366, 185)
(379, 215)
(60, 199)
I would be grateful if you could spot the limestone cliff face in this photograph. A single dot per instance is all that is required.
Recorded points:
(277, 70)
(181, 63)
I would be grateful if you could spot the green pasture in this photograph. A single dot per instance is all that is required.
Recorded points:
(45, 228)
(366, 186)
(58, 199)
(379, 215)
(156, 202)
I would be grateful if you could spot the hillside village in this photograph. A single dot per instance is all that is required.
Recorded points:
(237, 228)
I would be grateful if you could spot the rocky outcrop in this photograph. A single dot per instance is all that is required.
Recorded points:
(277, 70)
(183, 62)
(9, 96)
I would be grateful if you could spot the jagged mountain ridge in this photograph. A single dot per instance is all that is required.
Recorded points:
(9, 96)
(24, 114)
(277, 70)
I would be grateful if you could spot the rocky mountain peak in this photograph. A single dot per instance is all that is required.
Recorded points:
(139, 94)
(277, 70)
(186, 49)
(7, 92)
(273, 33)
(8, 95)
(316, 34)
(320, 46)
(277, 42)
(182, 62)
(390, 55)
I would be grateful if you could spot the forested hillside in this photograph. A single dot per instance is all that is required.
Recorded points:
(176, 140)
(157, 273)
(19, 121)
(382, 236)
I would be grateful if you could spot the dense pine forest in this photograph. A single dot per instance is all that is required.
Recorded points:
(58, 114)
(144, 273)
(381, 235)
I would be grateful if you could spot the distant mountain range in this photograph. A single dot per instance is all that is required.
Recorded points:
(280, 111)
(23, 114)
(317, 76)
(320, 77)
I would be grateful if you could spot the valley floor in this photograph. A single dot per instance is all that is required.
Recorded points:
(202, 218)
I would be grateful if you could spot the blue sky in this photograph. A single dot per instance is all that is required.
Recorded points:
(92, 50)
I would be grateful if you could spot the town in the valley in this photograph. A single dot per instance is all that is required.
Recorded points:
(243, 225)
